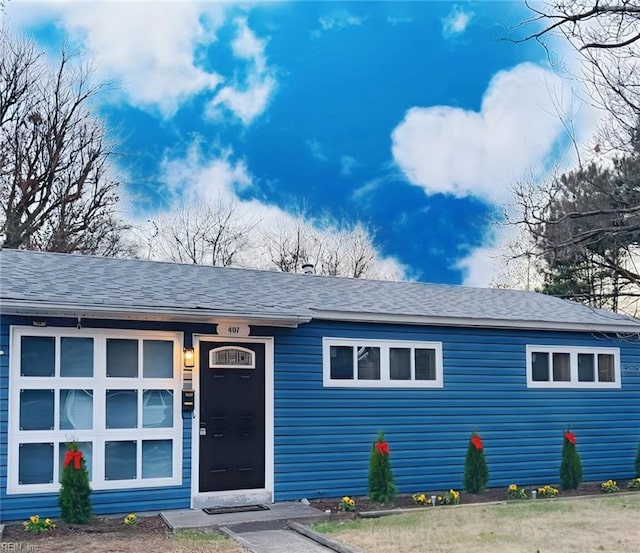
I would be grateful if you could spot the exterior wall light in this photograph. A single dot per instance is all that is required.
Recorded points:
(188, 357)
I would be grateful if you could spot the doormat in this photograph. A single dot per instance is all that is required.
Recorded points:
(236, 509)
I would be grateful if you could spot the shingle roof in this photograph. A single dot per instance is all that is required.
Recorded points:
(32, 281)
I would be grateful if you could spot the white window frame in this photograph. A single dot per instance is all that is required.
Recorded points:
(99, 383)
(573, 352)
(385, 378)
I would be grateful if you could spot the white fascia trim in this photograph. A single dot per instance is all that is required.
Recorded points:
(142, 313)
(422, 320)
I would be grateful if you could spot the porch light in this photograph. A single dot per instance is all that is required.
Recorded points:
(188, 357)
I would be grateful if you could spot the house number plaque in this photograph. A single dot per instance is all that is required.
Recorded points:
(230, 330)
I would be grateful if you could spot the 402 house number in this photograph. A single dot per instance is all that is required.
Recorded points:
(237, 330)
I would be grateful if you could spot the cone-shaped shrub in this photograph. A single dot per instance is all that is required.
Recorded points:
(638, 462)
(476, 471)
(571, 467)
(381, 486)
(74, 499)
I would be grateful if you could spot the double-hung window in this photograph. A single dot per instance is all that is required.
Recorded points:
(114, 392)
(351, 362)
(573, 367)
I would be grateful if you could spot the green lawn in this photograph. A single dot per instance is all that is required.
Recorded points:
(607, 523)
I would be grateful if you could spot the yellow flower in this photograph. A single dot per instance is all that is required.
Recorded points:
(35, 519)
(512, 487)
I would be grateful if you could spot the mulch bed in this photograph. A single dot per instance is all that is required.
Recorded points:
(404, 501)
(99, 525)
(155, 525)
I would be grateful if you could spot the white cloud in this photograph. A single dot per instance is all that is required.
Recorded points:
(449, 150)
(503, 261)
(316, 149)
(339, 20)
(147, 48)
(347, 165)
(398, 20)
(194, 179)
(456, 22)
(246, 102)
(479, 266)
(249, 99)
(150, 51)
(204, 179)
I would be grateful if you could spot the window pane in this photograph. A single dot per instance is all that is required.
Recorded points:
(539, 367)
(157, 409)
(35, 463)
(76, 409)
(37, 356)
(36, 409)
(157, 459)
(605, 368)
(425, 364)
(561, 367)
(122, 358)
(341, 362)
(157, 359)
(400, 363)
(87, 455)
(368, 363)
(122, 408)
(76, 357)
(586, 368)
(120, 460)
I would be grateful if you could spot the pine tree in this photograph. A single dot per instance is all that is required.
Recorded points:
(571, 467)
(381, 486)
(74, 499)
(476, 471)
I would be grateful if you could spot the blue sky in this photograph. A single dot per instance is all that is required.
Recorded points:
(414, 117)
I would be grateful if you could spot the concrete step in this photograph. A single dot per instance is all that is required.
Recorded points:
(276, 517)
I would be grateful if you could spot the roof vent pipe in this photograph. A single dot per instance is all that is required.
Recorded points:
(307, 268)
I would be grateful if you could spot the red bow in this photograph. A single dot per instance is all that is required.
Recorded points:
(477, 442)
(74, 457)
(570, 437)
(383, 448)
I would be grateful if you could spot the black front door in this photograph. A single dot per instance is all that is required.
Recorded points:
(232, 416)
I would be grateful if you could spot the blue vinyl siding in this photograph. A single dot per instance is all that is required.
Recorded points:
(323, 435)
(21, 506)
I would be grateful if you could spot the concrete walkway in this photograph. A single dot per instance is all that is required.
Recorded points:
(281, 529)
(278, 541)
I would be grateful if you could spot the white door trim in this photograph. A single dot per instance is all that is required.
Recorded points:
(212, 499)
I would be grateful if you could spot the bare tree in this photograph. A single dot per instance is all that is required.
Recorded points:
(57, 191)
(334, 248)
(212, 233)
(291, 244)
(585, 226)
(606, 34)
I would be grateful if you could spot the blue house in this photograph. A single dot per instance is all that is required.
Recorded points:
(191, 386)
